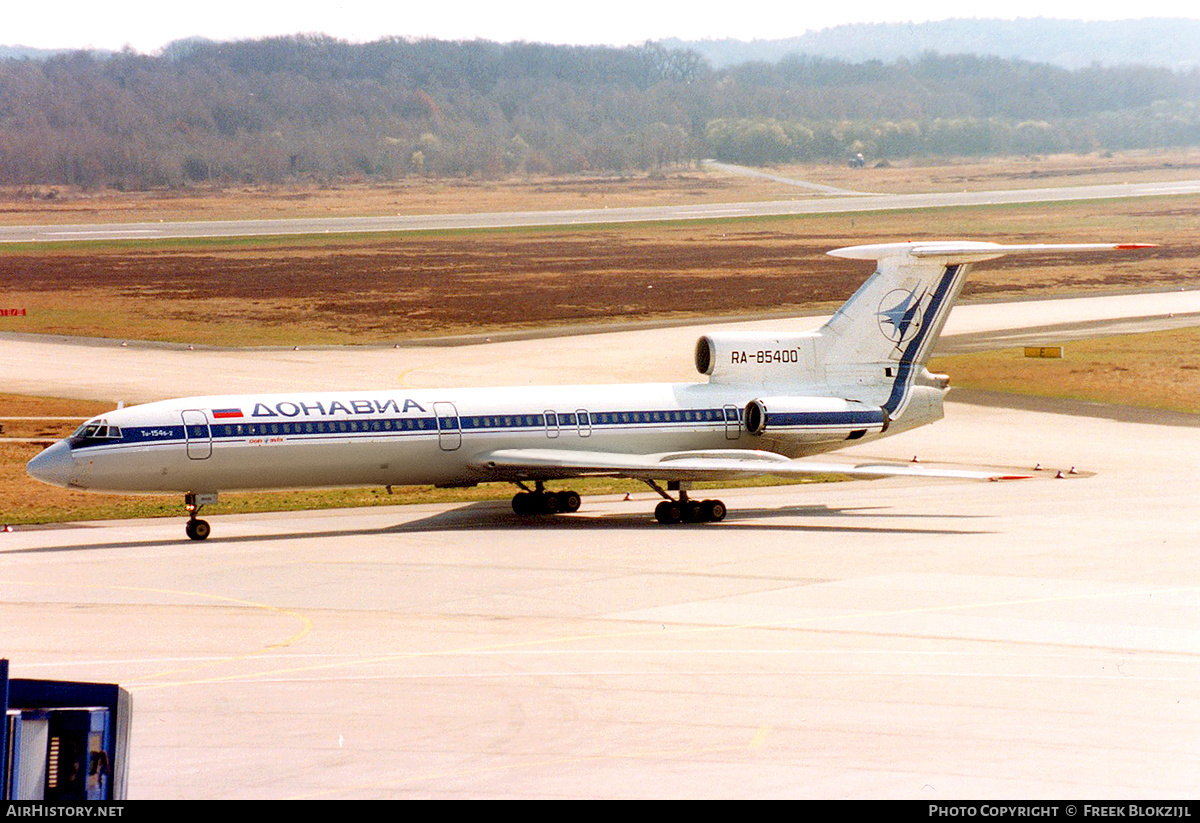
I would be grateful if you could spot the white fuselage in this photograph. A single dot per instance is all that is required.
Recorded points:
(229, 443)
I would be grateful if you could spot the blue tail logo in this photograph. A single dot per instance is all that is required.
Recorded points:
(899, 315)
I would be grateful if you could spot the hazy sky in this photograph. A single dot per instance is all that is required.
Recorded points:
(147, 26)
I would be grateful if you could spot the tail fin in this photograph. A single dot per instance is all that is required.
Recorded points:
(883, 335)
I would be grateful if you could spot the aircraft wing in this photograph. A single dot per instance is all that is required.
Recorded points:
(717, 464)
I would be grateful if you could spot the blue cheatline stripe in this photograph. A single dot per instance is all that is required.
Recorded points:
(375, 426)
(833, 419)
(908, 358)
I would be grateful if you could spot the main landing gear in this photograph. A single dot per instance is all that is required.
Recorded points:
(669, 512)
(540, 501)
(197, 529)
(684, 510)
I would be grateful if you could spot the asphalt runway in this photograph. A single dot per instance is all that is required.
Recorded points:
(848, 202)
(900, 638)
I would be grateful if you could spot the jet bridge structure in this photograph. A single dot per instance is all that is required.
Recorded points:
(63, 741)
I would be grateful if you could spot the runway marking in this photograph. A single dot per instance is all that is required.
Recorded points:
(760, 737)
(726, 212)
(81, 233)
(403, 376)
(661, 630)
(1171, 188)
(306, 623)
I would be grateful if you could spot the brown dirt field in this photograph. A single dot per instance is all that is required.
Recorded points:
(18, 405)
(372, 288)
(434, 285)
(15, 405)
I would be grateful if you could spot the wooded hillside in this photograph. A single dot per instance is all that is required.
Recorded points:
(315, 108)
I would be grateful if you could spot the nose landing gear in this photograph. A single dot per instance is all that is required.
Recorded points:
(197, 529)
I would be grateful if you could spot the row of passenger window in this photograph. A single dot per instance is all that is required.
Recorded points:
(584, 418)
(491, 422)
(688, 416)
(320, 427)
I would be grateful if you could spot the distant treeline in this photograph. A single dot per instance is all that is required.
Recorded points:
(1072, 44)
(316, 108)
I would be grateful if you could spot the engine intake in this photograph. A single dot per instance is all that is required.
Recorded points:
(757, 356)
(813, 419)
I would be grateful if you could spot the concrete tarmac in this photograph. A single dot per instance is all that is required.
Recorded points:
(901, 638)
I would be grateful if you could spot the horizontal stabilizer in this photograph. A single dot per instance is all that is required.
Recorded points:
(970, 251)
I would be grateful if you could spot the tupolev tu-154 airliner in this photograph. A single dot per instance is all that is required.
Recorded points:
(770, 399)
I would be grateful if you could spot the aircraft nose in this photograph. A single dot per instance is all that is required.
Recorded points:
(55, 465)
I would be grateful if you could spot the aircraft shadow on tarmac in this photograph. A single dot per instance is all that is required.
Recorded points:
(494, 516)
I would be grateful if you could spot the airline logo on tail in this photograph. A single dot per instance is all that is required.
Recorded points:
(899, 315)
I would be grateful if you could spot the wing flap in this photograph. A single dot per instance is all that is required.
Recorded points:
(729, 464)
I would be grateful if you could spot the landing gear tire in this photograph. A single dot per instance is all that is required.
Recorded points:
(671, 512)
(544, 502)
(714, 511)
(198, 529)
(668, 512)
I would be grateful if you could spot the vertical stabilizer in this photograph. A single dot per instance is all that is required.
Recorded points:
(879, 341)
(896, 315)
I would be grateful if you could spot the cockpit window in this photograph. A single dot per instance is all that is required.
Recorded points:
(98, 429)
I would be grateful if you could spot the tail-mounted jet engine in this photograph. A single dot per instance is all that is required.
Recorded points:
(813, 419)
(762, 357)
